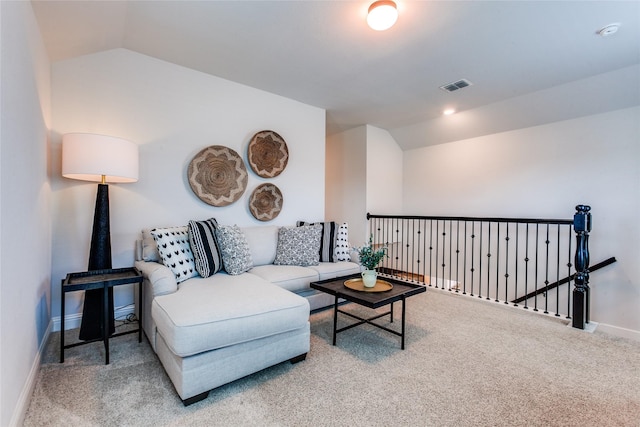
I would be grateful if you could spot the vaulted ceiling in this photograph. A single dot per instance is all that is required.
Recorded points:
(529, 62)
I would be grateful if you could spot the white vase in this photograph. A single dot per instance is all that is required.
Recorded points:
(369, 278)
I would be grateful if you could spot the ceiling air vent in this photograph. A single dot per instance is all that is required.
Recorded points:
(450, 87)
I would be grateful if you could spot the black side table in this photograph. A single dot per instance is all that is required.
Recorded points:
(100, 279)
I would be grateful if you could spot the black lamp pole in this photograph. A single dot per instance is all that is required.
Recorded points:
(99, 259)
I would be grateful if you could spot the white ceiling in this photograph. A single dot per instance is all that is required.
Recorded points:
(530, 62)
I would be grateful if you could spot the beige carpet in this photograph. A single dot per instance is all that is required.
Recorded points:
(468, 362)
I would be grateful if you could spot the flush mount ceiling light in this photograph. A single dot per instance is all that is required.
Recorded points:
(382, 15)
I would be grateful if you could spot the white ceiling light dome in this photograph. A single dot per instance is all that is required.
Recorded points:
(382, 15)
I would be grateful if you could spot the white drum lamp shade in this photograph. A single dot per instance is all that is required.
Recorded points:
(90, 157)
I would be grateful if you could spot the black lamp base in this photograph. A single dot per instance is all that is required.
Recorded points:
(99, 259)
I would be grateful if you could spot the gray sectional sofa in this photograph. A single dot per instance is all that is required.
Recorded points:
(209, 331)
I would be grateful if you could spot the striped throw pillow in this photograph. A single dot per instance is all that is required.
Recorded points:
(205, 248)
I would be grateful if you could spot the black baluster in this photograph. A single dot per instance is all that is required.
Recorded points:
(480, 261)
(535, 299)
(489, 261)
(464, 261)
(516, 256)
(431, 252)
(473, 241)
(582, 227)
(569, 265)
(444, 236)
(450, 251)
(558, 274)
(497, 261)
(457, 256)
(546, 275)
(526, 267)
(506, 272)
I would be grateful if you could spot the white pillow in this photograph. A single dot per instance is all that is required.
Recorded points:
(342, 247)
(175, 251)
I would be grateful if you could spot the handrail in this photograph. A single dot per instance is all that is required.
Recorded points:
(567, 279)
(481, 219)
(495, 258)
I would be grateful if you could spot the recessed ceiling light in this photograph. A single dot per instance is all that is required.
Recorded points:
(609, 29)
(449, 111)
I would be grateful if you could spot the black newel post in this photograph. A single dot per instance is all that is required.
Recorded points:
(582, 227)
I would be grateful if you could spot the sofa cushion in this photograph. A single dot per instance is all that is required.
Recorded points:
(263, 243)
(149, 247)
(290, 277)
(298, 245)
(327, 239)
(175, 251)
(223, 310)
(236, 255)
(204, 245)
(329, 270)
(343, 248)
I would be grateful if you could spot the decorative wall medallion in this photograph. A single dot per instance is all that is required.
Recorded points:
(217, 175)
(266, 202)
(268, 154)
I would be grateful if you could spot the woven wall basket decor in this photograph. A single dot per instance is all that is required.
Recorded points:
(266, 202)
(268, 154)
(217, 175)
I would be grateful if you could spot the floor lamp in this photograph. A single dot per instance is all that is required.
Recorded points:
(102, 159)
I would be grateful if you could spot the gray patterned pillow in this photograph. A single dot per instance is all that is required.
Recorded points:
(327, 239)
(236, 256)
(175, 251)
(299, 245)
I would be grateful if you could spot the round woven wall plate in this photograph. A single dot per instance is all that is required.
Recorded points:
(266, 202)
(268, 154)
(217, 175)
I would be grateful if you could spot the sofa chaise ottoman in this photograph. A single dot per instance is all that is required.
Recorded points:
(209, 331)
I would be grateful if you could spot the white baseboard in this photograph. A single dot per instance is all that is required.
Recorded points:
(22, 405)
(619, 332)
(72, 321)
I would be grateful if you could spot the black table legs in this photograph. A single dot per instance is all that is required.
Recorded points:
(369, 320)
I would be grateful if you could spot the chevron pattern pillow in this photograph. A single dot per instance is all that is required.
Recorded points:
(175, 251)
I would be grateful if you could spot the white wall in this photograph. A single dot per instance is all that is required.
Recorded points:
(384, 173)
(346, 181)
(172, 113)
(543, 172)
(25, 225)
(364, 175)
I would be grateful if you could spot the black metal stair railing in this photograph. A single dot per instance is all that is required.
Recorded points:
(519, 261)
